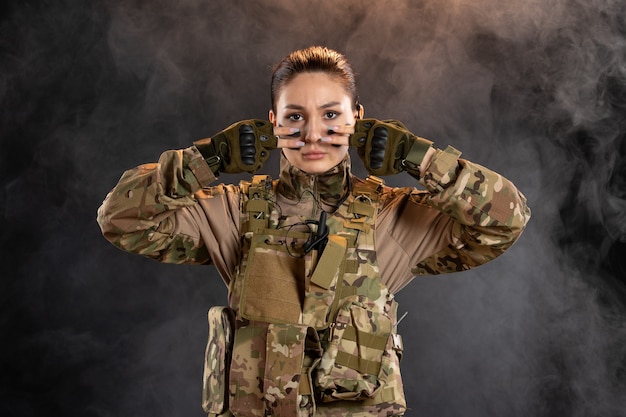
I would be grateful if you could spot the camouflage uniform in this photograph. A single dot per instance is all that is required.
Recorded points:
(467, 216)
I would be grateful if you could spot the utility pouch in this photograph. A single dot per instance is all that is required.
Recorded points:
(325, 283)
(217, 360)
(351, 366)
(285, 367)
(273, 286)
(271, 369)
(247, 369)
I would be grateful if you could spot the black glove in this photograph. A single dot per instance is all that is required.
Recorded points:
(241, 147)
(388, 147)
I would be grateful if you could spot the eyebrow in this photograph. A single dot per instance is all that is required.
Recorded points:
(323, 106)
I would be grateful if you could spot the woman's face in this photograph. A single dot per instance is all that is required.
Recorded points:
(314, 102)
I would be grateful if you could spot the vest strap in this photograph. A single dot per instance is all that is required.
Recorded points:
(257, 207)
(352, 266)
(361, 208)
(357, 224)
(364, 366)
(384, 395)
(365, 339)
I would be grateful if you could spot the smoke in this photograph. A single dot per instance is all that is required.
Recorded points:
(533, 89)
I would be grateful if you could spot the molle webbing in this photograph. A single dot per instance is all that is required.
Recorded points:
(258, 204)
(268, 287)
(312, 324)
(364, 205)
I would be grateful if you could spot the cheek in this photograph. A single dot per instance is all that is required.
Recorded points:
(348, 118)
(291, 154)
(339, 151)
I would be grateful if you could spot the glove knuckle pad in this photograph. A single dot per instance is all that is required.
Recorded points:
(247, 146)
(379, 144)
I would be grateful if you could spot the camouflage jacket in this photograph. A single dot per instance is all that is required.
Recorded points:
(466, 216)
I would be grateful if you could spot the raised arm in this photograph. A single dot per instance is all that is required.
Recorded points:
(467, 216)
(154, 211)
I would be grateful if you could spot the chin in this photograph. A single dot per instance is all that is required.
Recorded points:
(315, 168)
(314, 171)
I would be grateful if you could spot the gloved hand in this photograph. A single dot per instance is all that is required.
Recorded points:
(388, 147)
(242, 147)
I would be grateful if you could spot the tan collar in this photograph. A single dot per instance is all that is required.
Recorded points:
(329, 188)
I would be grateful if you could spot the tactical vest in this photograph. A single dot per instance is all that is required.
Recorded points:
(306, 333)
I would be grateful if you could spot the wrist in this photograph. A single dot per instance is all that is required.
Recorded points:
(442, 169)
(198, 164)
(419, 156)
(428, 158)
(206, 147)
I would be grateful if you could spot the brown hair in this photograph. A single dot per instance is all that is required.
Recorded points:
(314, 59)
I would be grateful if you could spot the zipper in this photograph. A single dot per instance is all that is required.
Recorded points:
(317, 202)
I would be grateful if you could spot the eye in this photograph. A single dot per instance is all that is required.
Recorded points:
(331, 115)
(295, 117)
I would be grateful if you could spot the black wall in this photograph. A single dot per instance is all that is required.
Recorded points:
(533, 89)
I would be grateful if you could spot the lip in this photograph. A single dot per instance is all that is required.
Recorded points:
(313, 155)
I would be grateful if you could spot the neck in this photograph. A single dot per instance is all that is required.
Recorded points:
(329, 188)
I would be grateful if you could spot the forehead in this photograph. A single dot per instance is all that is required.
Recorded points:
(312, 88)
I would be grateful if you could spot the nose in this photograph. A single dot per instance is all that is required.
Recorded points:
(313, 131)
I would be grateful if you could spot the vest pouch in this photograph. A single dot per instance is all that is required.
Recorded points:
(270, 370)
(247, 369)
(325, 283)
(352, 363)
(217, 360)
(273, 286)
(291, 352)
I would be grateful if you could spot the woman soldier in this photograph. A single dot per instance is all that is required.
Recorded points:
(312, 259)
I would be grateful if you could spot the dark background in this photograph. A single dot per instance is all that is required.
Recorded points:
(535, 89)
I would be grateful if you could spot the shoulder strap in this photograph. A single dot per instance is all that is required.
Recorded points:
(256, 203)
(365, 204)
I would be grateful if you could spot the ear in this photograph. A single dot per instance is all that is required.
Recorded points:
(360, 111)
(272, 117)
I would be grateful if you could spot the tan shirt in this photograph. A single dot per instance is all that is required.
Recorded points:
(468, 215)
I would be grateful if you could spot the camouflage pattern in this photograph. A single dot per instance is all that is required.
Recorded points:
(283, 370)
(490, 212)
(350, 309)
(351, 364)
(136, 215)
(153, 211)
(217, 360)
(247, 369)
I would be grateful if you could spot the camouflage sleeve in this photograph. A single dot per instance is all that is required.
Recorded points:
(489, 212)
(139, 214)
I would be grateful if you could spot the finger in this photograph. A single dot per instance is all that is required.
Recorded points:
(298, 143)
(290, 143)
(336, 139)
(292, 132)
(340, 129)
